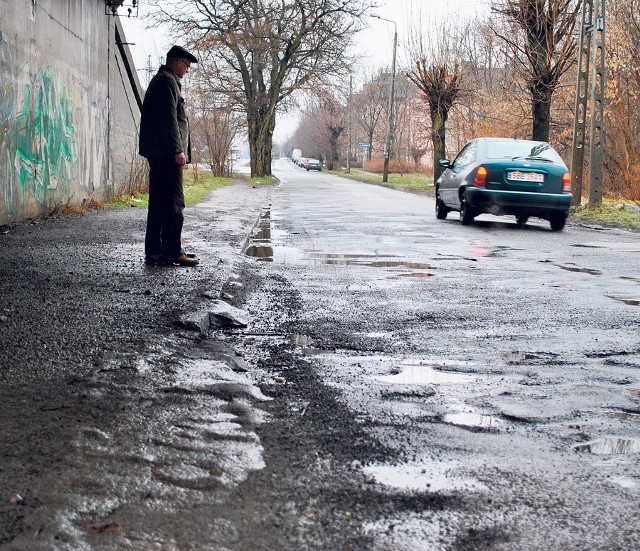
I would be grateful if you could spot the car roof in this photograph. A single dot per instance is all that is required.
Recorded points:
(504, 139)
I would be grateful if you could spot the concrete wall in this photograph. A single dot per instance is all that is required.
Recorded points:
(68, 111)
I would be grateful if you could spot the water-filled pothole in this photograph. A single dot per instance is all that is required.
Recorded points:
(473, 421)
(623, 415)
(627, 301)
(580, 270)
(418, 374)
(265, 244)
(432, 476)
(610, 446)
(519, 356)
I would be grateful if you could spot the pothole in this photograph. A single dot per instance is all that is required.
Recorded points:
(432, 476)
(418, 374)
(623, 415)
(519, 356)
(263, 245)
(609, 446)
(473, 421)
(627, 301)
(579, 270)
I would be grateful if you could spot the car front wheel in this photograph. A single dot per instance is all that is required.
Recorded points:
(441, 209)
(466, 212)
(521, 220)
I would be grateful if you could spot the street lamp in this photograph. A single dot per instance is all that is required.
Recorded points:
(387, 149)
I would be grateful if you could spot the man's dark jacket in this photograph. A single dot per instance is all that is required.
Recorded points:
(164, 127)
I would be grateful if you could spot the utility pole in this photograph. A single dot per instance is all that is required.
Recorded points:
(389, 138)
(592, 31)
(349, 122)
(596, 145)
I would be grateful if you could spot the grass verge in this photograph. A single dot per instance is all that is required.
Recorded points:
(613, 212)
(415, 181)
(196, 186)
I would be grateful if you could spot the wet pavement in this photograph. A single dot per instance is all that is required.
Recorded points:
(342, 371)
(506, 358)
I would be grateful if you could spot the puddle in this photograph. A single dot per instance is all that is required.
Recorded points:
(628, 301)
(300, 340)
(519, 356)
(417, 374)
(412, 274)
(292, 255)
(263, 245)
(580, 270)
(304, 343)
(623, 415)
(473, 421)
(428, 476)
(609, 446)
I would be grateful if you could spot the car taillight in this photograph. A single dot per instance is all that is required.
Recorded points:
(481, 177)
(566, 182)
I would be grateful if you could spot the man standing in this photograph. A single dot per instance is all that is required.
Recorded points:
(166, 143)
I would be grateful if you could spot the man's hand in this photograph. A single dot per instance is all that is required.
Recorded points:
(181, 159)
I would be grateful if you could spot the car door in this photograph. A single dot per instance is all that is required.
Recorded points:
(453, 176)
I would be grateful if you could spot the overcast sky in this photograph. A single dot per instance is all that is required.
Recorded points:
(375, 43)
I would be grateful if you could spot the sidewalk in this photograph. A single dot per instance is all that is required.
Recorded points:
(99, 379)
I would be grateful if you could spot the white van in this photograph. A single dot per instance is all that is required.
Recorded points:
(296, 155)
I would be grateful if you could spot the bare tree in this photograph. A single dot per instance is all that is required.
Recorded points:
(214, 122)
(541, 38)
(370, 104)
(265, 50)
(437, 71)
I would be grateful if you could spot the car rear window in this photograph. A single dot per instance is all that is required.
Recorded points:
(513, 149)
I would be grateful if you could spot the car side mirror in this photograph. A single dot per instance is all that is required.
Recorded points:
(445, 163)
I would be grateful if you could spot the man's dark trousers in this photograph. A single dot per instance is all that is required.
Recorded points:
(166, 206)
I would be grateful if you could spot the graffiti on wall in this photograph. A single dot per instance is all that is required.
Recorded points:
(45, 140)
(53, 146)
(7, 100)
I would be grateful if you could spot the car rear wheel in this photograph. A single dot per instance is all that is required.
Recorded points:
(441, 209)
(466, 212)
(557, 221)
(522, 220)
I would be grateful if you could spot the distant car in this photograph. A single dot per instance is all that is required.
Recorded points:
(505, 176)
(313, 164)
(301, 161)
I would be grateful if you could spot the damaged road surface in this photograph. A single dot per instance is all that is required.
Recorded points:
(342, 371)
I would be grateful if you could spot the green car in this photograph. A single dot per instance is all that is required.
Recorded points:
(504, 176)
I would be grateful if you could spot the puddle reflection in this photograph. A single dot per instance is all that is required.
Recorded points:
(473, 420)
(430, 476)
(424, 375)
(519, 356)
(609, 446)
(263, 246)
(580, 270)
(623, 415)
(628, 301)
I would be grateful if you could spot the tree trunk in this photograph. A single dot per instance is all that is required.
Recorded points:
(438, 135)
(260, 135)
(541, 113)
(369, 153)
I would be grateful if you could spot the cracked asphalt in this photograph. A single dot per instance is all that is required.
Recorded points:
(379, 379)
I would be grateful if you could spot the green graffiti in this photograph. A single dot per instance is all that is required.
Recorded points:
(45, 141)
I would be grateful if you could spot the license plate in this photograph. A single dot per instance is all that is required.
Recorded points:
(518, 176)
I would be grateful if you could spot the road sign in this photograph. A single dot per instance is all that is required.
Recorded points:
(364, 145)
